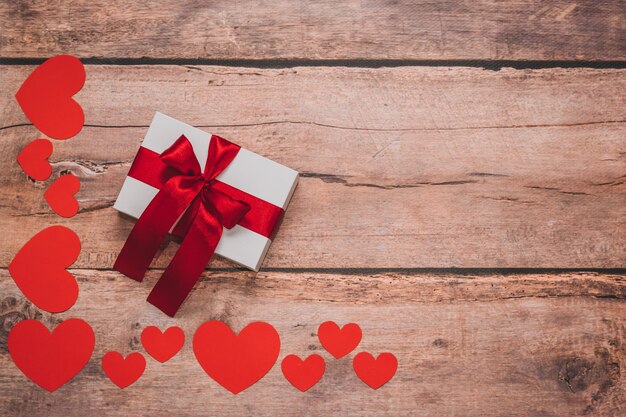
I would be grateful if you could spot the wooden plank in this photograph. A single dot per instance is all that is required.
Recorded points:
(467, 345)
(380, 29)
(409, 167)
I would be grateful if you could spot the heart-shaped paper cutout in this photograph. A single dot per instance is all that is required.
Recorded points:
(236, 361)
(123, 371)
(39, 271)
(34, 159)
(51, 359)
(162, 346)
(339, 342)
(303, 374)
(375, 372)
(60, 195)
(46, 97)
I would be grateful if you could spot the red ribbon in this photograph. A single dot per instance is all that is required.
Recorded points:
(206, 205)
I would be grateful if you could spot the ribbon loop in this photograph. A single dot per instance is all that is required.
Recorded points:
(221, 154)
(181, 157)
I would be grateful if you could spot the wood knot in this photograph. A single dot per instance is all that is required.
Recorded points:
(441, 343)
(12, 311)
(575, 373)
(592, 377)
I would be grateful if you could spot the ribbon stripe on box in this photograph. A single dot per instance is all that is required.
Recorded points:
(231, 208)
(262, 217)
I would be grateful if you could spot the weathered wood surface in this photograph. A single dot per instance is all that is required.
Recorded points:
(328, 29)
(467, 345)
(404, 167)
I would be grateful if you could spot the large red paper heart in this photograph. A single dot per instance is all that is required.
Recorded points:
(34, 159)
(123, 371)
(46, 97)
(236, 361)
(303, 374)
(339, 342)
(51, 359)
(60, 195)
(162, 346)
(375, 372)
(39, 271)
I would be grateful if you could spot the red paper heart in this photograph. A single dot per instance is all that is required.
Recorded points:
(236, 361)
(339, 342)
(38, 269)
(303, 374)
(375, 372)
(34, 159)
(46, 97)
(60, 195)
(123, 371)
(51, 359)
(162, 346)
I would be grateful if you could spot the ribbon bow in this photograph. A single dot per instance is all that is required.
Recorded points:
(205, 210)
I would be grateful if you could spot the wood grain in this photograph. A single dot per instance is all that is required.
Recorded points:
(380, 29)
(471, 345)
(405, 167)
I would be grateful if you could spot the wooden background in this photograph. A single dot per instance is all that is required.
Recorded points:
(462, 197)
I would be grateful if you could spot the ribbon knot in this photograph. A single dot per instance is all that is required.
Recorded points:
(190, 196)
(227, 210)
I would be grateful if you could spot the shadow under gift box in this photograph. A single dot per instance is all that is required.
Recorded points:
(248, 172)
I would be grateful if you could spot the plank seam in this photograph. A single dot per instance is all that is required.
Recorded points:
(407, 271)
(493, 65)
(366, 129)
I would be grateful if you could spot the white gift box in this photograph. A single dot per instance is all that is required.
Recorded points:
(248, 172)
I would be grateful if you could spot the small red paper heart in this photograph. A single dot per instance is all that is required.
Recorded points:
(50, 359)
(123, 371)
(60, 195)
(236, 361)
(46, 97)
(339, 342)
(375, 372)
(303, 374)
(162, 346)
(39, 271)
(34, 159)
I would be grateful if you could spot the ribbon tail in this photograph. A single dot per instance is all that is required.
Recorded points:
(186, 220)
(188, 263)
(153, 225)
